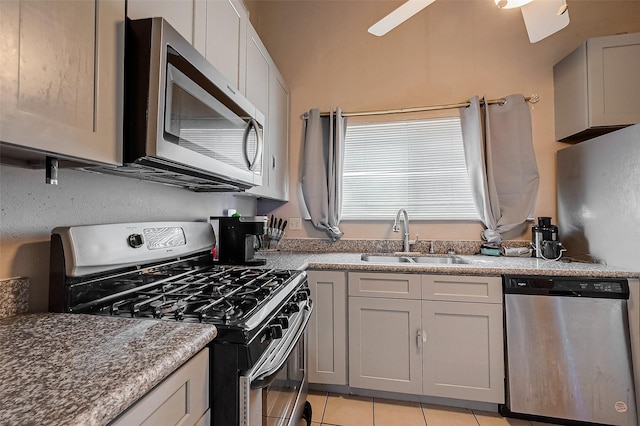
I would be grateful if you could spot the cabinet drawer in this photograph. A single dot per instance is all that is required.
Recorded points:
(462, 288)
(181, 399)
(390, 286)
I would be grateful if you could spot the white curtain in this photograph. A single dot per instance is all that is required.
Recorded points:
(501, 163)
(322, 163)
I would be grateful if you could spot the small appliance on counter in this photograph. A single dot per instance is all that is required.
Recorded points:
(239, 238)
(544, 240)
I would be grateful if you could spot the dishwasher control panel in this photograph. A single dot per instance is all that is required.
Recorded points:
(610, 288)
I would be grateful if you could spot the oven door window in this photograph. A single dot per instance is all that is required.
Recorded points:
(198, 121)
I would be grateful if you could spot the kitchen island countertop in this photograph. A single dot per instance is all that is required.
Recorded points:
(475, 265)
(75, 369)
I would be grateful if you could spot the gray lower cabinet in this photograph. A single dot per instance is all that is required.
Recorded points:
(62, 80)
(181, 399)
(384, 326)
(327, 328)
(385, 345)
(462, 320)
(434, 335)
(463, 351)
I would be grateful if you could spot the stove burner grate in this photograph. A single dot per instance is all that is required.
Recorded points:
(226, 295)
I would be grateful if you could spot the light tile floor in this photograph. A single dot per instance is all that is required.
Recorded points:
(345, 410)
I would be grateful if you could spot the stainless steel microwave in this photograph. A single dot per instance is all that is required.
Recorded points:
(184, 124)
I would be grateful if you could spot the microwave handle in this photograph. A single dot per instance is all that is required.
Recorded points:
(251, 164)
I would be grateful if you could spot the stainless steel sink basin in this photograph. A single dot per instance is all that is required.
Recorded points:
(427, 259)
(439, 260)
(381, 258)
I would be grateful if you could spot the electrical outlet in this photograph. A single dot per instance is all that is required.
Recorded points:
(295, 223)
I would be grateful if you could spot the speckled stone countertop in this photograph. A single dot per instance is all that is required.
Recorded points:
(74, 369)
(14, 296)
(475, 265)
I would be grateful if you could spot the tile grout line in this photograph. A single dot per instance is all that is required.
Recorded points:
(424, 416)
(324, 406)
(473, 413)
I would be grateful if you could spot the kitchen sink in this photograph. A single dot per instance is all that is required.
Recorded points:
(435, 259)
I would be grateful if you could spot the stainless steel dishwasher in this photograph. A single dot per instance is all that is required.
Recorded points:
(568, 352)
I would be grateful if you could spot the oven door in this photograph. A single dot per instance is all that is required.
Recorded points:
(274, 391)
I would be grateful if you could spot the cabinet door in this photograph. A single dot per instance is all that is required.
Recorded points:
(226, 34)
(257, 74)
(596, 87)
(463, 351)
(278, 160)
(275, 182)
(385, 344)
(181, 399)
(257, 92)
(328, 328)
(62, 78)
(614, 79)
(178, 13)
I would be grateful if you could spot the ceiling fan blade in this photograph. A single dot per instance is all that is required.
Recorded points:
(398, 16)
(541, 18)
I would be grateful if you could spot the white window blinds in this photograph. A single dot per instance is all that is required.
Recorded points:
(417, 164)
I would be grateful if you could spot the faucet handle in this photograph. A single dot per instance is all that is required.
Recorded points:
(412, 242)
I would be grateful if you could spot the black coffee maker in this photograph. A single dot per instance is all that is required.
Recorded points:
(544, 240)
(239, 238)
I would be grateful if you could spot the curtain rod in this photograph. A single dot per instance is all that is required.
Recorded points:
(532, 99)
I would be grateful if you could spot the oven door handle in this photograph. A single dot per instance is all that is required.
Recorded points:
(266, 373)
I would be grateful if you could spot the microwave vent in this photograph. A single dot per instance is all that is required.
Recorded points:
(167, 173)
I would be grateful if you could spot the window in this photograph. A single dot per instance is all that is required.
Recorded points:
(416, 164)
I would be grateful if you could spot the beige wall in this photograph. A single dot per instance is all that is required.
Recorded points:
(447, 53)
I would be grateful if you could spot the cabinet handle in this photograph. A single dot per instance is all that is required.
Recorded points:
(419, 338)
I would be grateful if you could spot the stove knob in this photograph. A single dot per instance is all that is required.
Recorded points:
(275, 331)
(301, 296)
(292, 307)
(283, 321)
(135, 240)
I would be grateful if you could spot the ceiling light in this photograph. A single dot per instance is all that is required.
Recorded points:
(510, 4)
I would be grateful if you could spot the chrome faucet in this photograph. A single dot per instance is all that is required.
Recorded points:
(396, 228)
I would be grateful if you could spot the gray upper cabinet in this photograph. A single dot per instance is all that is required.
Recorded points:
(225, 44)
(277, 161)
(180, 14)
(597, 87)
(267, 90)
(61, 80)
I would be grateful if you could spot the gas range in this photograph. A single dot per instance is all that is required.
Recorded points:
(166, 271)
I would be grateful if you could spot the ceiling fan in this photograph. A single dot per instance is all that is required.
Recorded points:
(541, 17)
